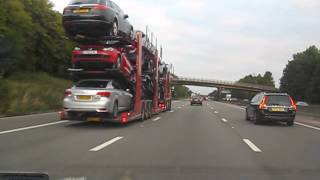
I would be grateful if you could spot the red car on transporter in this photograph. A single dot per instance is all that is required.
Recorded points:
(99, 58)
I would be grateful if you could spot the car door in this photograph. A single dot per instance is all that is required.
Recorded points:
(110, 13)
(119, 91)
(118, 15)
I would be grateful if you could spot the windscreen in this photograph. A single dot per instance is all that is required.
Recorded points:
(278, 100)
(92, 84)
(75, 2)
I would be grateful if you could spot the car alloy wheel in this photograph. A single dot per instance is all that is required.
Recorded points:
(114, 30)
(117, 65)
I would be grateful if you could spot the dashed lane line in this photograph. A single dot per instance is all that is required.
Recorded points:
(156, 119)
(108, 143)
(31, 127)
(252, 146)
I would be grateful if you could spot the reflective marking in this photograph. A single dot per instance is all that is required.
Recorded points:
(32, 127)
(308, 126)
(251, 145)
(108, 143)
(156, 119)
(224, 120)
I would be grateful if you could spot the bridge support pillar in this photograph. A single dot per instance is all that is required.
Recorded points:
(219, 94)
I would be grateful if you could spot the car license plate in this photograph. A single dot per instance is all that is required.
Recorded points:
(93, 119)
(277, 109)
(90, 52)
(81, 11)
(84, 97)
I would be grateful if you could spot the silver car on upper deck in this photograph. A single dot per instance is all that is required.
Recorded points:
(96, 96)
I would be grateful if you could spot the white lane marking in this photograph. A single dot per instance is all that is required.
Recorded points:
(212, 108)
(172, 111)
(156, 119)
(30, 115)
(251, 145)
(224, 120)
(232, 127)
(308, 126)
(216, 112)
(32, 127)
(108, 143)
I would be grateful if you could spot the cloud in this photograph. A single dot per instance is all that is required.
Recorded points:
(226, 39)
(307, 4)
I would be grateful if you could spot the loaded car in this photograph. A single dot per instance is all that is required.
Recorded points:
(96, 98)
(196, 100)
(96, 18)
(271, 107)
(99, 58)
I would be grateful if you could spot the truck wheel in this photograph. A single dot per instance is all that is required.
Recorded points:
(115, 110)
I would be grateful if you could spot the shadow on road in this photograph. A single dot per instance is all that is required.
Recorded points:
(100, 125)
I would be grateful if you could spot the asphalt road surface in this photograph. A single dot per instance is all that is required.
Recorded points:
(207, 142)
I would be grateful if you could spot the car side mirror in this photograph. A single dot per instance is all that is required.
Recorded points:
(126, 16)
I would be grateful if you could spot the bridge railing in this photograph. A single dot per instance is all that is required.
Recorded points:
(211, 81)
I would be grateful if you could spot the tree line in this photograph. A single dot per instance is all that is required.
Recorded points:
(301, 76)
(32, 38)
(300, 79)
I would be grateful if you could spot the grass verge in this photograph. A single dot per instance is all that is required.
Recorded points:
(27, 93)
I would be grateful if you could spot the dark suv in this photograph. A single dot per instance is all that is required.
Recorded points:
(196, 100)
(96, 18)
(271, 107)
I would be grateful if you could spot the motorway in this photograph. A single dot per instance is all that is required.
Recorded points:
(207, 142)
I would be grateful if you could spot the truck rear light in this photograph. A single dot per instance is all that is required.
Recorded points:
(104, 94)
(100, 7)
(293, 104)
(263, 104)
(67, 93)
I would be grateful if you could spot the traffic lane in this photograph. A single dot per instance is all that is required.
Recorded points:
(293, 149)
(9, 123)
(47, 148)
(187, 144)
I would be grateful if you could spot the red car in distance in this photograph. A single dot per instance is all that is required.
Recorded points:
(99, 58)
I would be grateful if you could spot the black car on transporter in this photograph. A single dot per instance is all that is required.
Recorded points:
(271, 107)
(96, 18)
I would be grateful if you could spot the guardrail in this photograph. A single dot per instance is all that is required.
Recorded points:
(225, 83)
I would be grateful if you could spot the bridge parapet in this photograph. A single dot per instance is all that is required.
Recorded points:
(226, 84)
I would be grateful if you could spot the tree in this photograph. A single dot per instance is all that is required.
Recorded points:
(32, 38)
(300, 76)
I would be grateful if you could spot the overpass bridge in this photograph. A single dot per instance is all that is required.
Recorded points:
(222, 84)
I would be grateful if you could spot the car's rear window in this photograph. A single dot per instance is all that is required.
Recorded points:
(92, 84)
(278, 100)
(75, 2)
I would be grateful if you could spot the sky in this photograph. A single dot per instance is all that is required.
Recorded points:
(226, 40)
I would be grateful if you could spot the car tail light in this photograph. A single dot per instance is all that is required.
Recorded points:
(263, 104)
(293, 104)
(67, 93)
(100, 7)
(104, 94)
